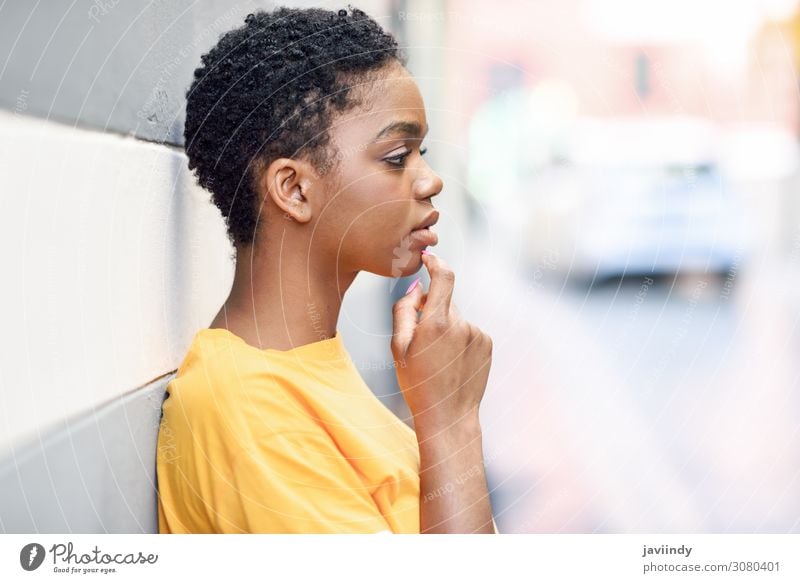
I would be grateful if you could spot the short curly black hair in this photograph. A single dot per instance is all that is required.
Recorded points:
(268, 89)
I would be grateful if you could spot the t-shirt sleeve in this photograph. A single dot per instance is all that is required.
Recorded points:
(300, 482)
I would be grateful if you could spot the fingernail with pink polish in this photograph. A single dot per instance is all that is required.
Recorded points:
(413, 285)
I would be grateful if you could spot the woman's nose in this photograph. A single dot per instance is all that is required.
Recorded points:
(428, 183)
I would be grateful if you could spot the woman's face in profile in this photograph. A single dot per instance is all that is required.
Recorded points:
(383, 186)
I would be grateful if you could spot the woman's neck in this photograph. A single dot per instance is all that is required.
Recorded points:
(283, 299)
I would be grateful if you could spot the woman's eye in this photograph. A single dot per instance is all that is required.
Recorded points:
(400, 159)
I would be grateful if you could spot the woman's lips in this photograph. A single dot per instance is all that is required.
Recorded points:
(425, 236)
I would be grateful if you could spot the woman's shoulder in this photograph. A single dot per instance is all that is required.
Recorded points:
(211, 352)
(219, 348)
(225, 382)
(220, 365)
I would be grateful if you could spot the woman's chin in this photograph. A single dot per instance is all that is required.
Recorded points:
(396, 268)
(406, 265)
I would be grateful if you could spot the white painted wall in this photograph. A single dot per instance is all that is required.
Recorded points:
(111, 259)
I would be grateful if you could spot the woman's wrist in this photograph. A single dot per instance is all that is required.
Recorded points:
(454, 494)
(447, 432)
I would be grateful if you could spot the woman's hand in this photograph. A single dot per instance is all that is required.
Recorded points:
(443, 364)
(442, 361)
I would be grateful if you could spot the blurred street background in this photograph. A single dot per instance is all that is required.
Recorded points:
(630, 175)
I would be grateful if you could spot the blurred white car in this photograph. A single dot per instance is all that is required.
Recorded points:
(633, 197)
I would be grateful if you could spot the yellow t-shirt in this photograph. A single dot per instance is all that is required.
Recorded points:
(269, 441)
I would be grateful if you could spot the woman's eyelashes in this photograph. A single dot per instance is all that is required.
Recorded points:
(399, 161)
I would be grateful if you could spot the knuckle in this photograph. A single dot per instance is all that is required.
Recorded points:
(442, 324)
(436, 325)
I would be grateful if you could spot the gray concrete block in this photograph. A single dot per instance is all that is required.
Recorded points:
(121, 66)
(95, 473)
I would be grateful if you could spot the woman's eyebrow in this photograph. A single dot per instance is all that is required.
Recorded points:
(410, 128)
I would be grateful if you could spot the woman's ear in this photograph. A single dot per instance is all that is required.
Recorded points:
(288, 183)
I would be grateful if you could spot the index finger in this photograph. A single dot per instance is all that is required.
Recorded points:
(440, 290)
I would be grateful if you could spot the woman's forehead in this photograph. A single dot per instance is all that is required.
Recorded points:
(393, 107)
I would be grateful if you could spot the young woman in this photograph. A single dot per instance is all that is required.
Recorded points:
(306, 127)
